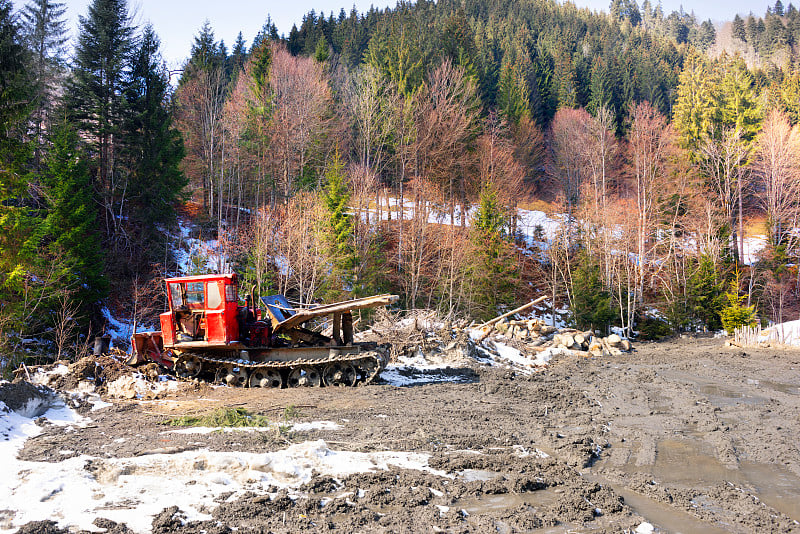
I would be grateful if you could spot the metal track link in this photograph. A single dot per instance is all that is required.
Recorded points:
(377, 356)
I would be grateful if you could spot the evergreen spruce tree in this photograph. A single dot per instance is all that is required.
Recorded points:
(513, 95)
(206, 54)
(706, 35)
(340, 229)
(736, 314)
(397, 56)
(705, 289)
(238, 54)
(493, 270)
(70, 231)
(694, 109)
(738, 100)
(18, 222)
(600, 89)
(591, 301)
(322, 51)
(738, 28)
(153, 148)
(46, 37)
(94, 93)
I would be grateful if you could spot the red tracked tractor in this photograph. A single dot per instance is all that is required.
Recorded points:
(206, 332)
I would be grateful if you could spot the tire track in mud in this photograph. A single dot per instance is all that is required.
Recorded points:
(681, 437)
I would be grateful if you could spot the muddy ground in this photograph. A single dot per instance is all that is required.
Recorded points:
(688, 435)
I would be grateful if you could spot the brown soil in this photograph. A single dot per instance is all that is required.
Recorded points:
(688, 435)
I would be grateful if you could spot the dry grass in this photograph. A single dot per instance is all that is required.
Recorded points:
(224, 417)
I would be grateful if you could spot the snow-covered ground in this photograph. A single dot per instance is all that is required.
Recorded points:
(199, 255)
(534, 227)
(785, 333)
(133, 490)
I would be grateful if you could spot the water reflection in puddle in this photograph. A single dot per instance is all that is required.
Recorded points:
(789, 389)
(471, 475)
(724, 396)
(689, 464)
(491, 504)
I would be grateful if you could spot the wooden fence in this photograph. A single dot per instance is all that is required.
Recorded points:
(747, 336)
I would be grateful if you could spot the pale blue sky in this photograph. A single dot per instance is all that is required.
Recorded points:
(177, 21)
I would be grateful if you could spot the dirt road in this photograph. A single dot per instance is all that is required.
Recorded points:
(687, 435)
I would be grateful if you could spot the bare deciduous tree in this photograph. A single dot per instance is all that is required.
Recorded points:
(723, 162)
(776, 165)
(200, 103)
(447, 125)
(301, 102)
(566, 166)
(651, 143)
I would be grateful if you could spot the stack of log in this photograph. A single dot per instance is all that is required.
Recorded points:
(537, 337)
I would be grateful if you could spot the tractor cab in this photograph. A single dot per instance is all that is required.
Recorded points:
(202, 309)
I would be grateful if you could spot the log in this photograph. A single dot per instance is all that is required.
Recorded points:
(512, 312)
(579, 339)
(614, 340)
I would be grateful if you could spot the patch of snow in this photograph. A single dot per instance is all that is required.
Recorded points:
(133, 490)
(43, 378)
(785, 333)
(512, 355)
(645, 528)
(407, 375)
(753, 246)
(419, 361)
(315, 425)
(121, 331)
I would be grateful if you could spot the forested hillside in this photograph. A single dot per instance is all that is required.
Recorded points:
(402, 150)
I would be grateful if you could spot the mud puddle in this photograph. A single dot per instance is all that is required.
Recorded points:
(668, 518)
(492, 504)
(722, 396)
(780, 387)
(687, 463)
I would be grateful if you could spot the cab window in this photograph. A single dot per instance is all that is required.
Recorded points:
(194, 294)
(231, 294)
(214, 295)
(176, 295)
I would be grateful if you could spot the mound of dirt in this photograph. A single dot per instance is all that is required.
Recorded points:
(25, 398)
(98, 370)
